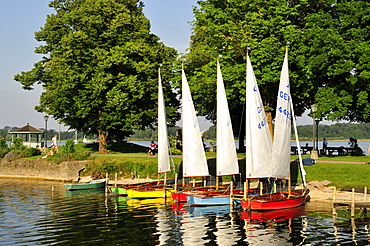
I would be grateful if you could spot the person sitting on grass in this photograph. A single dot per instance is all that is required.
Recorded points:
(152, 148)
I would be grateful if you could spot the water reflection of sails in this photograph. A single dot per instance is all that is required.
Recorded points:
(208, 224)
(164, 229)
(226, 232)
(194, 230)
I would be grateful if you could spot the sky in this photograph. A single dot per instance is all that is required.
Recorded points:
(20, 19)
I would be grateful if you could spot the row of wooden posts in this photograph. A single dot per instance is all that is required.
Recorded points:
(363, 205)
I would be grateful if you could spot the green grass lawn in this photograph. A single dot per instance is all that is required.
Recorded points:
(341, 175)
(123, 159)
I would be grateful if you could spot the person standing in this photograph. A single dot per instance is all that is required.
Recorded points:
(324, 145)
(54, 143)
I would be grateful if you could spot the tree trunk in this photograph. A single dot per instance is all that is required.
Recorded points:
(269, 122)
(103, 145)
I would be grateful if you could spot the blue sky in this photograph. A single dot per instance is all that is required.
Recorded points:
(21, 18)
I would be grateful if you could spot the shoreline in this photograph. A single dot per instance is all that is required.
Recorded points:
(319, 192)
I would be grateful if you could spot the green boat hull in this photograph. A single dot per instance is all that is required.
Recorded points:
(119, 191)
(95, 184)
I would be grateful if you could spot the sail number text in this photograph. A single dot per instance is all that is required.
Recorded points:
(286, 97)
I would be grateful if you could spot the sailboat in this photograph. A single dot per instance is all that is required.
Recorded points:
(194, 156)
(226, 159)
(194, 162)
(264, 158)
(155, 189)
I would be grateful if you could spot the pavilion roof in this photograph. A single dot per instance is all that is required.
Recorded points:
(27, 129)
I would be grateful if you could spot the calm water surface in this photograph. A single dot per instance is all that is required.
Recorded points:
(44, 213)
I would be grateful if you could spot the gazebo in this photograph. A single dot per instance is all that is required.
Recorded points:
(30, 135)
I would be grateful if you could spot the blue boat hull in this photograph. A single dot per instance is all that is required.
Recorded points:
(208, 201)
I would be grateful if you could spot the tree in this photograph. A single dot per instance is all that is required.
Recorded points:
(99, 68)
(321, 57)
(344, 94)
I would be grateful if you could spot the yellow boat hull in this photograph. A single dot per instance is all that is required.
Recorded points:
(148, 193)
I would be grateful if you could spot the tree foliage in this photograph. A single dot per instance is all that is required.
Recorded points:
(328, 57)
(99, 68)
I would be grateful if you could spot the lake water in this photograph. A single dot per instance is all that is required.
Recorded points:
(44, 213)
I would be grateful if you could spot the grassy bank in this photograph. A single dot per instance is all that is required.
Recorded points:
(340, 174)
(129, 160)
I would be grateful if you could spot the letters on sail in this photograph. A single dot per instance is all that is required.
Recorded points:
(282, 130)
(258, 138)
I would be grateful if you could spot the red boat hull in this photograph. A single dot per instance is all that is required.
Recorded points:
(273, 215)
(279, 200)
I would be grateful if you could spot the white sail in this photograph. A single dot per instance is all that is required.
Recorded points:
(227, 160)
(258, 138)
(194, 158)
(163, 156)
(282, 130)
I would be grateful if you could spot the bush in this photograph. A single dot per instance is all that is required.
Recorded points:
(3, 152)
(69, 147)
(69, 153)
(15, 154)
(27, 152)
(17, 144)
(3, 144)
(175, 151)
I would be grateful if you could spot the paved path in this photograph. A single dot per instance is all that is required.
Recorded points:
(346, 162)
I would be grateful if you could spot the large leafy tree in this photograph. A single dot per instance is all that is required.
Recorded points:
(343, 69)
(100, 68)
(321, 54)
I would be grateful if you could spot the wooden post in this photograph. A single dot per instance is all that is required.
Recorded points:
(335, 224)
(115, 180)
(193, 182)
(353, 203)
(261, 188)
(334, 198)
(245, 189)
(175, 188)
(216, 182)
(365, 193)
(158, 181)
(231, 196)
(289, 186)
(164, 186)
(106, 183)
